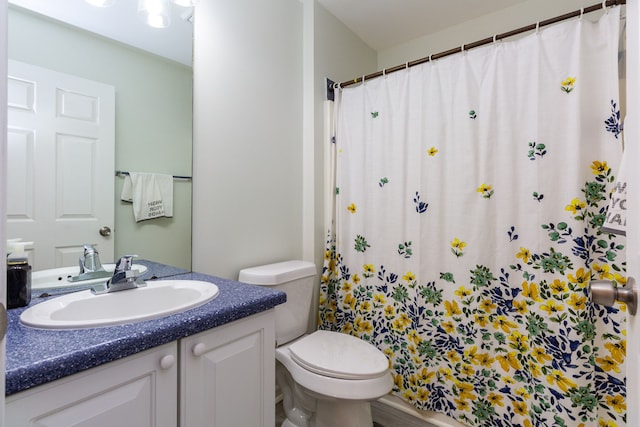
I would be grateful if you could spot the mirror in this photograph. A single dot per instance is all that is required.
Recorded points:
(153, 114)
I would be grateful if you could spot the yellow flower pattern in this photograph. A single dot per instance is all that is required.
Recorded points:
(503, 333)
(486, 190)
(521, 319)
(568, 84)
(524, 255)
(599, 168)
(457, 247)
(575, 206)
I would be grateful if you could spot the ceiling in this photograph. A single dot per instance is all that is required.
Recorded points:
(379, 23)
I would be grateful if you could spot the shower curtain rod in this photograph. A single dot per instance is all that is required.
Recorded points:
(595, 7)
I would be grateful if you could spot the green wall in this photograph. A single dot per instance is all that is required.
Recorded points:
(153, 121)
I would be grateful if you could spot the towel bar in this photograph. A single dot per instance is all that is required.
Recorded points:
(188, 178)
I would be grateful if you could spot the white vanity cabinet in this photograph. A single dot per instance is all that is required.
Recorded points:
(139, 390)
(227, 375)
(224, 377)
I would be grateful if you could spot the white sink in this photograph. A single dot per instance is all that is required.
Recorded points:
(86, 310)
(57, 277)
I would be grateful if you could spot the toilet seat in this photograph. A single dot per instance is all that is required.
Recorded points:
(326, 387)
(339, 355)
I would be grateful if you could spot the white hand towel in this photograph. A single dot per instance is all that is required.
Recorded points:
(616, 220)
(151, 194)
(126, 196)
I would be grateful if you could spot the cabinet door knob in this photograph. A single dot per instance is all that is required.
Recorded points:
(199, 349)
(167, 361)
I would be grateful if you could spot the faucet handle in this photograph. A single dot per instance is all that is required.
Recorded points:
(124, 277)
(125, 262)
(90, 260)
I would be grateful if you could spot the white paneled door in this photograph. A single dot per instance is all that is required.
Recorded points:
(61, 159)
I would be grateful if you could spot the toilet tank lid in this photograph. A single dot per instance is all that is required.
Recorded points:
(277, 273)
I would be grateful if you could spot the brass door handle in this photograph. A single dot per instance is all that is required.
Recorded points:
(604, 292)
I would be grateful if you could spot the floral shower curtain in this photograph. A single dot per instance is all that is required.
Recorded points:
(469, 196)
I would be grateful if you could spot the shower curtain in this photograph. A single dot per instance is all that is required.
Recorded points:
(469, 193)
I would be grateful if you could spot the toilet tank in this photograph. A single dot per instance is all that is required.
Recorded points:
(296, 279)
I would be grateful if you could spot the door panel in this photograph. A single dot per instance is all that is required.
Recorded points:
(61, 164)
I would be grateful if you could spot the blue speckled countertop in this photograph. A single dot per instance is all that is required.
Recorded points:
(37, 356)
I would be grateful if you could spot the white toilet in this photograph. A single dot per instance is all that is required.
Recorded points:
(327, 378)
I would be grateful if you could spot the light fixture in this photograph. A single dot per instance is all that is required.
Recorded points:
(185, 3)
(187, 15)
(155, 12)
(101, 3)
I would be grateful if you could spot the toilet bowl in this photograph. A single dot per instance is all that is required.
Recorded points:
(330, 379)
(327, 378)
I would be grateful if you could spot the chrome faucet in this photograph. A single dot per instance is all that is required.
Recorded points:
(123, 278)
(90, 260)
(90, 266)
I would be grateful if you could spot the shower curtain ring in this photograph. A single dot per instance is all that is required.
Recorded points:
(581, 13)
(604, 6)
(537, 27)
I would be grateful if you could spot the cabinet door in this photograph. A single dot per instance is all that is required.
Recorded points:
(227, 375)
(139, 390)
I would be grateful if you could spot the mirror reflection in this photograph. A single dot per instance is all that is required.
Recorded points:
(152, 132)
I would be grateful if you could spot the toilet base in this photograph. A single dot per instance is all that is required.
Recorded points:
(305, 408)
(333, 413)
